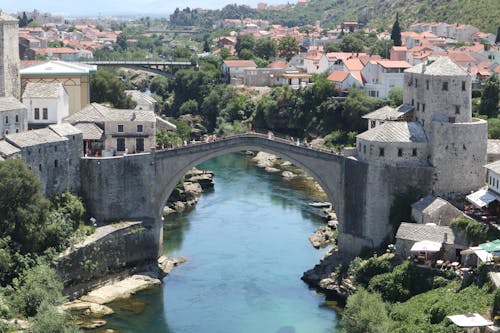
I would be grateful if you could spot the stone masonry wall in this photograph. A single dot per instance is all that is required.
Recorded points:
(10, 82)
(113, 251)
(458, 154)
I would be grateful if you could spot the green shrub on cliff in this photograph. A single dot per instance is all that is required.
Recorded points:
(365, 312)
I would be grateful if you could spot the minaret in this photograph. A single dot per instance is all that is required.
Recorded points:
(10, 82)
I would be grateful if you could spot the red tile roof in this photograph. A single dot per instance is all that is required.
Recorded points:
(240, 63)
(394, 64)
(353, 64)
(338, 76)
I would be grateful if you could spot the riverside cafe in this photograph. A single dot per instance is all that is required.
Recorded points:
(486, 206)
(489, 253)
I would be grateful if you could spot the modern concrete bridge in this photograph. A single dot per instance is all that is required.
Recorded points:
(136, 187)
(161, 66)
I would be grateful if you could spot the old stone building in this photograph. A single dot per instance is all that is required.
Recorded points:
(440, 133)
(52, 153)
(9, 56)
(13, 116)
(118, 131)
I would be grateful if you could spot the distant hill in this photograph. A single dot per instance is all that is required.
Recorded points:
(484, 14)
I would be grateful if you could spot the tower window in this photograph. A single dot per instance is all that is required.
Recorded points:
(45, 113)
(39, 167)
(463, 85)
(418, 106)
(37, 113)
(56, 163)
(364, 149)
(6, 119)
(423, 107)
(414, 152)
(445, 86)
(381, 152)
(416, 83)
(139, 128)
(457, 109)
(400, 152)
(17, 118)
(120, 128)
(412, 102)
(427, 84)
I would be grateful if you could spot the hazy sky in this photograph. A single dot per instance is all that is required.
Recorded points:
(105, 7)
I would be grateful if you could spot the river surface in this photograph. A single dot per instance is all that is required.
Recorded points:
(246, 248)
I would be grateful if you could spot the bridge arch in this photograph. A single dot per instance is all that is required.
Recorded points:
(305, 158)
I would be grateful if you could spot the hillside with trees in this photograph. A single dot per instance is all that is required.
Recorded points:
(378, 14)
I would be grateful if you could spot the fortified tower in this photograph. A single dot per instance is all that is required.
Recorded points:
(440, 92)
(10, 83)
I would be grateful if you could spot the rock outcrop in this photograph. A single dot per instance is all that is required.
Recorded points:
(186, 194)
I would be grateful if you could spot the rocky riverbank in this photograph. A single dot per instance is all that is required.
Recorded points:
(188, 191)
(90, 308)
(326, 234)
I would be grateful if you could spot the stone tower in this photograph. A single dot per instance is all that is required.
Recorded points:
(440, 91)
(10, 82)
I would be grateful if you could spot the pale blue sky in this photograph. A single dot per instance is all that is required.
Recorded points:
(107, 7)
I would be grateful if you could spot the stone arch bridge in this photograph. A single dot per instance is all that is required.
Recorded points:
(136, 187)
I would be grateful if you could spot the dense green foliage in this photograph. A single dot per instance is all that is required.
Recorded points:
(288, 46)
(364, 271)
(374, 13)
(427, 312)
(33, 230)
(417, 299)
(475, 232)
(106, 87)
(365, 312)
(490, 97)
(405, 281)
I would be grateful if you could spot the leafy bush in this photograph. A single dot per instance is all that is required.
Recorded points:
(48, 319)
(365, 312)
(475, 232)
(36, 285)
(372, 267)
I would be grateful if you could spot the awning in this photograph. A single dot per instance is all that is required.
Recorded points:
(482, 254)
(426, 246)
(481, 198)
(469, 320)
(493, 246)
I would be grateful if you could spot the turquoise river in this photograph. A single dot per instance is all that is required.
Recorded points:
(246, 248)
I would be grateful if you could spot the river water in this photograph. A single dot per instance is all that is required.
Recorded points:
(246, 247)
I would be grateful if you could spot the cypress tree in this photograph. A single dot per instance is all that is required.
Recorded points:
(497, 40)
(396, 32)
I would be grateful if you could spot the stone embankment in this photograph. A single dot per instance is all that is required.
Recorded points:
(188, 191)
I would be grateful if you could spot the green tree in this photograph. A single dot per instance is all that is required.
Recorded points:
(224, 53)
(365, 312)
(396, 32)
(490, 97)
(121, 40)
(493, 128)
(497, 40)
(106, 87)
(23, 209)
(189, 107)
(288, 46)
(36, 286)
(243, 42)
(350, 43)
(206, 46)
(49, 319)
(266, 48)
(396, 96)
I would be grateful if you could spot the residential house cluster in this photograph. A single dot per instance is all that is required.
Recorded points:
(372, 72)
(78, 42)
